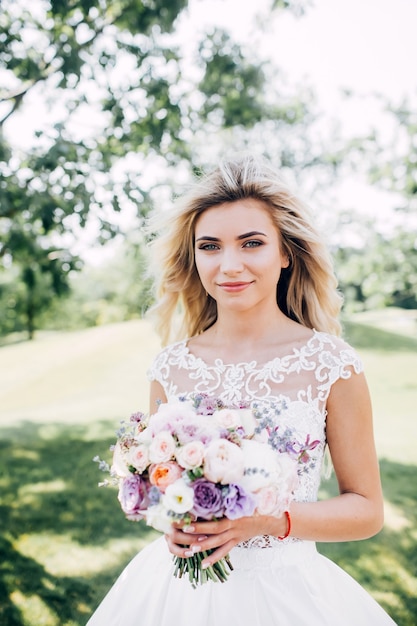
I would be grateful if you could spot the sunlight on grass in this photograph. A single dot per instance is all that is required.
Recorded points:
(95, 373)
(32, 455)
(392, 572)
(394, 517)
(65, 540)
(43, 487)
(34, 610)
(62, 556)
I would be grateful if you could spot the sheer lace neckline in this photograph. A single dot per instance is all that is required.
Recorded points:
(219, 362)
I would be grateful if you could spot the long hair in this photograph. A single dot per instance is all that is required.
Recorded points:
(307, 289)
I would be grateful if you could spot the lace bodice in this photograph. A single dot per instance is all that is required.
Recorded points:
(299, 383)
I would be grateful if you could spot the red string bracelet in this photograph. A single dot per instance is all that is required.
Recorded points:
(288, 516)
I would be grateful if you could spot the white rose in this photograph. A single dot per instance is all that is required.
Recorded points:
(162, 447)
(223, 462)
(144, 436)
(264, 467)
(260, 465)
(191, 455)
(178, 497)
(120, 465)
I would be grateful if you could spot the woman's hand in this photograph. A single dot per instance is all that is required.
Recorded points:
(221, 536)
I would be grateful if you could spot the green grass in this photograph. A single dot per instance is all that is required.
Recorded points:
(63, 540)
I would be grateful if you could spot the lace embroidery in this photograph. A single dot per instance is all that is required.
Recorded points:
(300, 381)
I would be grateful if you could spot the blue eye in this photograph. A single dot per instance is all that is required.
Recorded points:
(253, 243)
(208, 246)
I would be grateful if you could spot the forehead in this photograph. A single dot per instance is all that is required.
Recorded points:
(242, 215)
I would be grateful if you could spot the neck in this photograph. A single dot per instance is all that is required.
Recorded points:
(249, 328)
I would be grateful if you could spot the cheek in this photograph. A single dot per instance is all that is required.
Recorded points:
(204, 266)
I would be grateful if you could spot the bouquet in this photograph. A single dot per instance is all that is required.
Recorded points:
(196, 459)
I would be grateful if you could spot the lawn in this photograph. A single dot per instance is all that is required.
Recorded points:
(63, 540)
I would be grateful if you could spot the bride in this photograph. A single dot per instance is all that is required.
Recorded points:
(260, 322)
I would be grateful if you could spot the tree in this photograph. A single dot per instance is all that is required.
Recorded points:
(115, 87)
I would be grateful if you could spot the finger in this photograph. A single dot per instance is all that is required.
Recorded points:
(208, 528)
(183, 551)
(218, 554)
(211, 542)
(180, 537)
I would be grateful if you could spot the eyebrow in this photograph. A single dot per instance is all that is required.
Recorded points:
(252, 233)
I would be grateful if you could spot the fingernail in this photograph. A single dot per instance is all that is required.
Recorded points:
(205, 565)
(201, 538)
(189, 553)
(195, 549)
(188, 529)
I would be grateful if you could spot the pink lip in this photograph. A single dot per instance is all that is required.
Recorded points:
(233, 287)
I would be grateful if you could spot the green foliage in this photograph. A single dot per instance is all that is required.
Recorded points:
(117, 290)
(384, 273)
(115, 61)
(394, 164)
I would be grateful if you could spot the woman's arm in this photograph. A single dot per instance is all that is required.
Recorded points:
(357, 513)
(157, 395)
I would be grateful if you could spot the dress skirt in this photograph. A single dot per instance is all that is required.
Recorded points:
(287, 584)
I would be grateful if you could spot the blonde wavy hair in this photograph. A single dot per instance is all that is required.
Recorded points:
(307, 289)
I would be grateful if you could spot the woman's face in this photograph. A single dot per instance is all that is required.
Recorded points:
(238, 254)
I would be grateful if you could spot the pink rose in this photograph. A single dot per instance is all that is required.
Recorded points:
(191, 455)
(223, 462)
(162, 447)
(163, 474)
(237, 418)
(287, 476)
(138, 456)
(168, 416)
(228, 418)
(268, 502)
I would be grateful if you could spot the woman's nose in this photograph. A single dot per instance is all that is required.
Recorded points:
(231, 262)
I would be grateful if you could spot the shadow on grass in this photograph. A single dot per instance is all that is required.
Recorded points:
(386, 565)
(48, 490)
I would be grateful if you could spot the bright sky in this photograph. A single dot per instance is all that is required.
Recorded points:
(366, 46)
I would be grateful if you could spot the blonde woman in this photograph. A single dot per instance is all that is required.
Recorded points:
(253, 283)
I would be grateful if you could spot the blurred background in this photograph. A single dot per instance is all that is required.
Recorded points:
(107, 111)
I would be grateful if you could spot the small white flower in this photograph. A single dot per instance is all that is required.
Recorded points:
(178, 497)
(248, 421)
(157, 517)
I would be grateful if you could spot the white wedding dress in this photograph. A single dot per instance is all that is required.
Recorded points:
(274, 583)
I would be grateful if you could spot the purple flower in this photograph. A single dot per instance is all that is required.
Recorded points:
(133, 496)
(208, 499)
(137, 417)
(238, 503)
